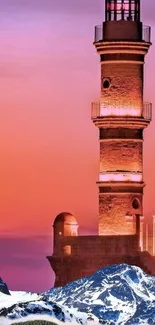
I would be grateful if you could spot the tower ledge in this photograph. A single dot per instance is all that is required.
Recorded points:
(121, 184)
(128, 47)
(118, 122)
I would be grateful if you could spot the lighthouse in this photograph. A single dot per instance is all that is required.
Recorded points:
(121, 115)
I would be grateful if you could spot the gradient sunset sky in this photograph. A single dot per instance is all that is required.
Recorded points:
(49, 151)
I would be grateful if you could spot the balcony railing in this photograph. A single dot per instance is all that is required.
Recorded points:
(98, 33)
(146, 34)
(147, 111)
(117, 110)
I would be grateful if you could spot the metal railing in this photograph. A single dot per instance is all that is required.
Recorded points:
(98, 111)
(95, 110)
(147, 111)
(146, 34)
(98, 33)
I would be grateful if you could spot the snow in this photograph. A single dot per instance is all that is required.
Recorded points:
(117, 295)
(16, 297)
(4, 321)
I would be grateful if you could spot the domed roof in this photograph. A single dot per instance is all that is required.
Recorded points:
(66, 218)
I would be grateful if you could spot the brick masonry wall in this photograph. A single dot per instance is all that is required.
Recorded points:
(125, 91)
(112, 211)
(90, 253)
(121, 155)
(96, 245)
(120, 133)
(122, 29)
(69, 269)
(101, 245)
(126, 86)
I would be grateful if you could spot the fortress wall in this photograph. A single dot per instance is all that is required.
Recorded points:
(97, 245)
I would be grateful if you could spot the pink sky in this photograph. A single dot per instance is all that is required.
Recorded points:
(49, 157)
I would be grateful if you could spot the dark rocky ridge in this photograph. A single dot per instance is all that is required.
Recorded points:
(3, 287)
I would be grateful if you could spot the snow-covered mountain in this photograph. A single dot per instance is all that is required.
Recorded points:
(119, 294)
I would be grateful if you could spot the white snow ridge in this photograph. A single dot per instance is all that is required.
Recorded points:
(115, 295)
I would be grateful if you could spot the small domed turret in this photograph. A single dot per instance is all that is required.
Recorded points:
(66, 218)
(65, 224)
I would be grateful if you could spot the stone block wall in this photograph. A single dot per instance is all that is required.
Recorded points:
(121, 155)
(96, 245)
(126, 85)
(120, 133)
(89, 254)
(69, 269)
(113, 209)
(121, 149)
(122, 30)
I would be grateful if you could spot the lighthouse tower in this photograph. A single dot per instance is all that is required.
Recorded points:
(121, 116)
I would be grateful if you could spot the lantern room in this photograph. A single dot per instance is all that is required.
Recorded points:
(122, 10)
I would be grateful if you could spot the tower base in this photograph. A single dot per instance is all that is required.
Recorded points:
(69, 269)
(87, 254)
